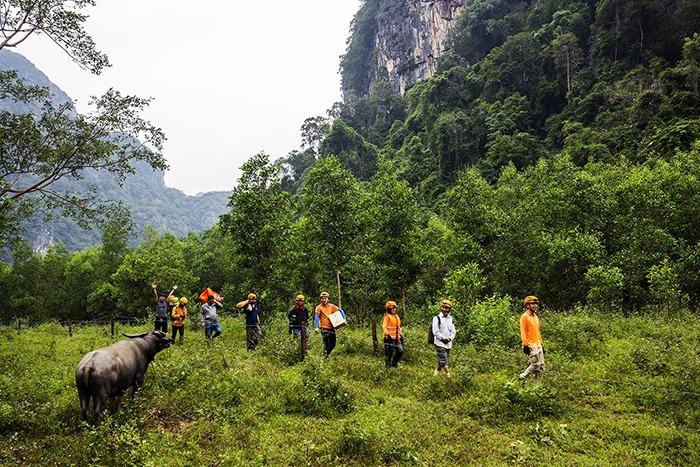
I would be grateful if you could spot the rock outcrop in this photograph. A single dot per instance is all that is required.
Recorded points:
(411, 37)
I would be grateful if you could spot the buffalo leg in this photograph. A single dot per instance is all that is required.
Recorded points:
(84, 395)
(101, 399)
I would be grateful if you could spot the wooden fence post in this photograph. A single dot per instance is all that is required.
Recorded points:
(70, 328)
(303, 341)
(111, 325)
(19, 325)
(374, 336)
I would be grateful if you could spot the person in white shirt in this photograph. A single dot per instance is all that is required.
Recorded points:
(444, 334)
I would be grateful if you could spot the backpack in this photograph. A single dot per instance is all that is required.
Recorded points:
(431, 336)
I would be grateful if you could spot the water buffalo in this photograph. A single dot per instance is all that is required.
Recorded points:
(111, 370)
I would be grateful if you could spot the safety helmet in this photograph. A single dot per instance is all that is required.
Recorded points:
(300, 297)
(390, 304)
(531, 299)
(446, 303)
(183, 301)
(325, 294)
(252, 296)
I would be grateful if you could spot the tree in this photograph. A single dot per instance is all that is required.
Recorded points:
(54, 142)
(567, 55)
(259, 223)
(330, 200)
(60, 20)
(392, 214)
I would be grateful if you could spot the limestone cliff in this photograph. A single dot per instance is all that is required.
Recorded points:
(397, 40)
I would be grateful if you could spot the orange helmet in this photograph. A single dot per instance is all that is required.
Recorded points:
(390, 304)
(531, 299)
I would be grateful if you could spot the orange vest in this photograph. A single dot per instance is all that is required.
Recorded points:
(324, 312)
(530, 330)
(391, 326)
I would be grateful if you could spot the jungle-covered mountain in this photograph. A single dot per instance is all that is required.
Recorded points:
(144, 193)
(515, 81)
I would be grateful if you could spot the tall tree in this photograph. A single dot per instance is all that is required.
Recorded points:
(55, 142)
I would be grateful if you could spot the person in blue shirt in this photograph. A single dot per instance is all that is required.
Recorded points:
(251, 308)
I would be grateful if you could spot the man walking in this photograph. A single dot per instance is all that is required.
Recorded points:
(530, 336)
(444, 333)
(298, 317)
(209, 310)
(251, 308)
(392, 335)
(322, 322)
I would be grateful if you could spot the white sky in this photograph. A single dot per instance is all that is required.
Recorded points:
(229, 79)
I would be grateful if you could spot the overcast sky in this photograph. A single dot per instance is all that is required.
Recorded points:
(229, 79)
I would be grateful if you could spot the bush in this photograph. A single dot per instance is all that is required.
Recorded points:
(465, 284)
(605, 287)
(489, 320)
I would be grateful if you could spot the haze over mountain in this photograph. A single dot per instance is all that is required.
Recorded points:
(144, 193)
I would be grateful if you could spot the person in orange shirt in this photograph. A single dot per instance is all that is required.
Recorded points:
(530, 336)
(392, 335)
(323, 323)
(178, 317)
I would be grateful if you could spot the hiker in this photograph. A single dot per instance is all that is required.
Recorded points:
(251, 308)
(209, 320)
(392, 335)
(532, 341)
(162, 308)
(444, 334)
(298, 317)
(178, 316)
(322, 322)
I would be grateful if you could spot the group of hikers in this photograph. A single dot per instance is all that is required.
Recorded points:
(327, 317)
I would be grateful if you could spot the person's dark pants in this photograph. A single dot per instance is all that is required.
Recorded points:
(328, 341)
(162, 324)
(252, 336)
(393, 350)
(179, 329)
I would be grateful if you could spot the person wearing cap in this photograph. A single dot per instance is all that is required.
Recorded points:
(210, 321)
(298, 317)
(531, 338)
(444, 332)
(392, 335)
(178, 316)
(163, 308)
(322, 322)
(251, 308)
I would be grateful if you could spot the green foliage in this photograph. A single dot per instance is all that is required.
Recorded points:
(218, 403)
(605, 286)
(488, 320)
(465, 284)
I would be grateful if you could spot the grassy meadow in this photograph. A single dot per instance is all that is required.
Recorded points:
(619, 390)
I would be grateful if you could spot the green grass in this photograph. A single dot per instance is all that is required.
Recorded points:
(618, 391)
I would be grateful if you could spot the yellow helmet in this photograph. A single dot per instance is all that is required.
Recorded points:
(325, 294)
(252, 296)
(390, 304)
(446, 303)
(183, 301)
(531, 299)
(300, 297)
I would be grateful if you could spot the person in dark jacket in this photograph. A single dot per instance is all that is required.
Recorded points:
(163, 308)
(251, 308)
(298, 317)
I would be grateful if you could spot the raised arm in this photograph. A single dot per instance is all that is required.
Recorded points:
(170, 295)
(154, 289)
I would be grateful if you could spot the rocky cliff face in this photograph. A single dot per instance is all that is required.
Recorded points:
(410, 37)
